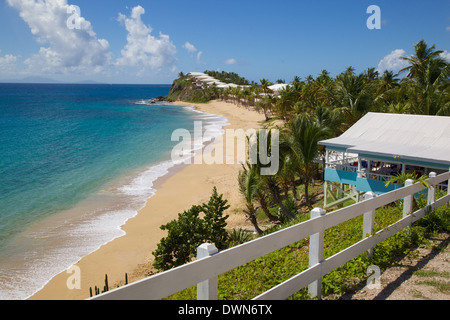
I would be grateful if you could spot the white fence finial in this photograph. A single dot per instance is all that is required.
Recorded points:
(208, 289)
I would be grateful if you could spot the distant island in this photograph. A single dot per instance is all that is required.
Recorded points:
(44, 80)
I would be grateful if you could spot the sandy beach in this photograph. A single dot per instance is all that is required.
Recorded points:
(184, 186)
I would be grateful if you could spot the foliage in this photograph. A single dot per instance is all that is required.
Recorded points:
(402, 177)
(300, 139)
(250, 186)
(191, 230)
(215, 221)
(238, 236)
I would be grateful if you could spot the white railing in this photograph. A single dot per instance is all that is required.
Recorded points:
(374, 176)
(211, 263)
(342, 167)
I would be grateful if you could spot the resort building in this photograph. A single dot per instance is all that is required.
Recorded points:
(276, 88)
(202, 79)
(382, 145)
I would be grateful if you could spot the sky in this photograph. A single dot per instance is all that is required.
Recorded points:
(151, 42)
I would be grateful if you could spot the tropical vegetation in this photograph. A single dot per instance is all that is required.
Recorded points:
(306, 112)
(310, 110)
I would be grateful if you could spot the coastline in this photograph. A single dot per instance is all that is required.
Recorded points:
(183, 186)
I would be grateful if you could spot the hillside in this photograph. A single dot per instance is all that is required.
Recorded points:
(185, 89)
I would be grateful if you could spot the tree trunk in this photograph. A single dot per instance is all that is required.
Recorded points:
(286, 212)
(294, 191)
(306, 192)
(264, 207)
(276, 196)
(254, 222)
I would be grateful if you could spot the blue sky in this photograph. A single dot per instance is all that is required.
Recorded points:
(152, 41)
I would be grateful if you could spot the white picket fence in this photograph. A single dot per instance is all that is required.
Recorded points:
(210, 263)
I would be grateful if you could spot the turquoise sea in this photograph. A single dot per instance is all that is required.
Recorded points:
(76, 162)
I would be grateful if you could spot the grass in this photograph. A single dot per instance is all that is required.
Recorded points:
(253, 278)
(431, 273)
(438, 285)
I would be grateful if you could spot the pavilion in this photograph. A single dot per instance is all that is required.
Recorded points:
(381, 145)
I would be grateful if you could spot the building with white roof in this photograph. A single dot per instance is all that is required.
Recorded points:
(276, 88)
(381, 145)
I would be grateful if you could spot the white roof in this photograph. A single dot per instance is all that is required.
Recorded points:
(212, 81)
(227, 85)
(197, 73)
(410, 137)
(278, 86)
(205, 77)
(223, 85)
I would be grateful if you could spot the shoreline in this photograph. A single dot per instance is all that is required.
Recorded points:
(183, 186)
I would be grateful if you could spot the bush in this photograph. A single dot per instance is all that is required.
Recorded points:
(190, 231)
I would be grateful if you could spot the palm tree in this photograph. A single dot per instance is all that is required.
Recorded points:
(426, 85)
(285, 102)
(402, 177)
(287, 175)
(300, 138)
(255, 92)
(352, 96)
(431, 99)
(265, 84)
(248, 186)
(265, 104)
(424, 56)
(237, 94)
(247, 95)
(270, 184)
(388, 81)
(371, 74)
(297, 79)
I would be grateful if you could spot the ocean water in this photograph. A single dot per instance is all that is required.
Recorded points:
(76, 162)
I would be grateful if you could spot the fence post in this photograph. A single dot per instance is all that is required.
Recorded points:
(208, 289)
(431, 190)
(316, 254)
(369, 220)
(408, 200)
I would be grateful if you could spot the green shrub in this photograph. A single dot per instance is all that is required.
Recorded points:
(190, 230)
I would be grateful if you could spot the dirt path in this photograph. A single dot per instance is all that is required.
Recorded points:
(423, 275)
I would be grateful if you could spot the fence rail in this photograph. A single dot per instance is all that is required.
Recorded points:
(211, 264)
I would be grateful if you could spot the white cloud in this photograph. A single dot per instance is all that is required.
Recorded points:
(393, 62)
(447, 28)
(445, 55)
(190, 47)
(231, 61)
(7, 63)
(199, 58)
(68, 50)
(143, 49)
